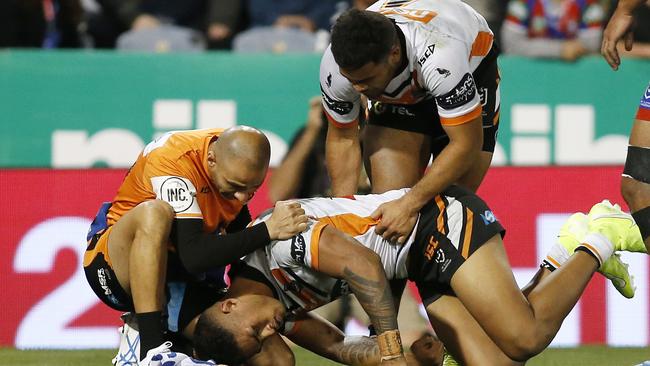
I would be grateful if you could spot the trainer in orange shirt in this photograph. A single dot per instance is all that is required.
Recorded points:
(183, 202)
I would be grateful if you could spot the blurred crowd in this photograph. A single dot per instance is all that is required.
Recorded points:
(562, 29)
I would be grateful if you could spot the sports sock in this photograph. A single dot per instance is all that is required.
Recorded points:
(599, 246)
(151, 331)
(642, 219)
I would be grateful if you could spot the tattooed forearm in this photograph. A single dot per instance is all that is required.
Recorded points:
(358, 351)
(373, 292)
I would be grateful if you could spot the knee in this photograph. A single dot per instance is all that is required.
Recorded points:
(156, 217)
(524, 345)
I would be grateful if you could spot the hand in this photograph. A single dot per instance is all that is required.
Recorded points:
(218, 31)
(397, 219)
(315, 114)
(619, 27)
(572, 50)
(145, 21)
(428, 350)
(287, 220)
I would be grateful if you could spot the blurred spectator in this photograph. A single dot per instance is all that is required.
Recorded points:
(565, 29)
(494, 11)
(302, 172)
(225, 19)
(307, 15)
(641, 32)
(40, 23)
(288, 25)
(218, 20)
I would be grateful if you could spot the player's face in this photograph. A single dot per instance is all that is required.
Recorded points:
(255, 318)
(237, 181)
(372, 78)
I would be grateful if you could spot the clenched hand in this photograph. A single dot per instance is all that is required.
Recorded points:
(397, 219)
(287, 220)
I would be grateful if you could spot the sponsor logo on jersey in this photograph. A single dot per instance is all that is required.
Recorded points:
(339, 107)
(461, 94)
(378, 107)
(645, 101)
(298, 248)
(488, 217)
(176, 192)
(443, 72)
(427, 53)
(329, 80)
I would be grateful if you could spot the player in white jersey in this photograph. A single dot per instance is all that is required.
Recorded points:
(457, 261)
(429, 69)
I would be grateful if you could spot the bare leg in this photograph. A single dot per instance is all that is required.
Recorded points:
(137, 247)
(636, 193)
(520, 326)
(397, 159)
(394, 158)
(463, 336)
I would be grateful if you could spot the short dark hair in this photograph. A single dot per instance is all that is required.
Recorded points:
(213, 342)
(360, 37)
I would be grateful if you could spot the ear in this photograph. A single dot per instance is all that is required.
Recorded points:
(228, 305)
(395, 53)
(212, 158)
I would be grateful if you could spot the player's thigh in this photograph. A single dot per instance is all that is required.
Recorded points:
(640, 134)
(394, 158)
(487, 288)
(275, 352)
(145, 215)
(462, 335)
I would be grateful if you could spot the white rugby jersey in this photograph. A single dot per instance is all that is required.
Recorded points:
(292, 265)
(445, 42)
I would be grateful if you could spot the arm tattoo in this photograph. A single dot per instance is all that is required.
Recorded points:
(375, 297)
(361, 351)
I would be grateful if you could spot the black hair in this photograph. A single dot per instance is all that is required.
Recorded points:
(360, 37)
(213, 342)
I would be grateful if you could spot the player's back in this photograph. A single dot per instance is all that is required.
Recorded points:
(448, 18)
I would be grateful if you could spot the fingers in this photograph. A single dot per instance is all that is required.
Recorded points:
(377, 213)
(610, 53)
(629, 41)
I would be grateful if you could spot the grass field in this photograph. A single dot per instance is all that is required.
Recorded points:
(584, 356)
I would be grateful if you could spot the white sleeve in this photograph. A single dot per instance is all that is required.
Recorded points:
(448, 77)
(180, 193)
(340, 101)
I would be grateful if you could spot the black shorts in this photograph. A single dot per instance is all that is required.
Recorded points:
(450, 229)
(187, 295)
(423, 117)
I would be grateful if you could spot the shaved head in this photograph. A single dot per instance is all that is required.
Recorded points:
(244, 145)
(238, 161)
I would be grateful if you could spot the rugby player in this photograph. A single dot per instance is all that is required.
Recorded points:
(455, 257)
(184, 192)
(636, 176)
(429, 69)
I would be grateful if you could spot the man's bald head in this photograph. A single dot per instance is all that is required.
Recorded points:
(244, 144)
(238, 161)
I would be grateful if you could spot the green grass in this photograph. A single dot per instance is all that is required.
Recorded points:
(587, 356)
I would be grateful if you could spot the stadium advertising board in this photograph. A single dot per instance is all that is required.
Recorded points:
(45, 215)
(80, 109)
